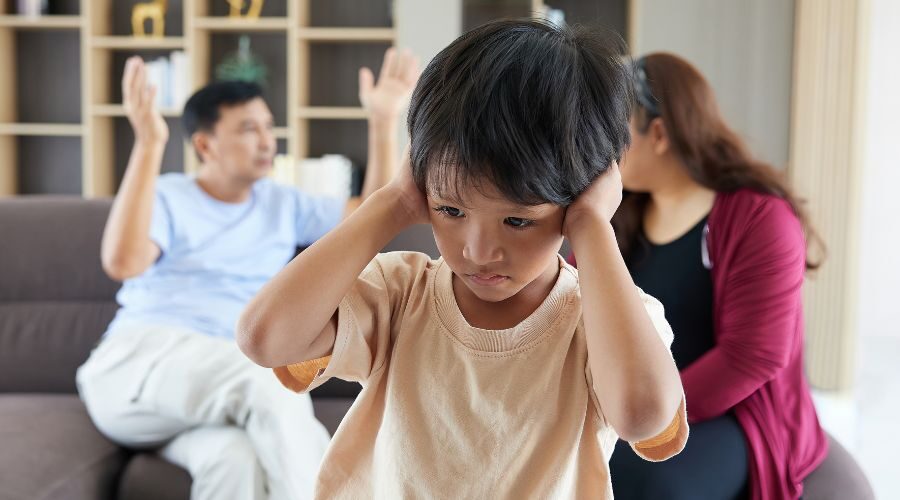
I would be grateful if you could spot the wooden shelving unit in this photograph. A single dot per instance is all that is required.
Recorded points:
(292, 31)
(40, 22)
(70, 111)
(331, 113)
(346, 34)
(135, 43)
(276, 24)
(114, 110)
(42, 129)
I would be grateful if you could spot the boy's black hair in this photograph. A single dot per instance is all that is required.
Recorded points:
(201, 112)
(536, 110)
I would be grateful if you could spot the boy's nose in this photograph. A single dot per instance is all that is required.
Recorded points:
(481, 249)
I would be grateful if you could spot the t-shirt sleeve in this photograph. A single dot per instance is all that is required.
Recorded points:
(316, 215)
(672, 439)
(161, 222)
(366, 319)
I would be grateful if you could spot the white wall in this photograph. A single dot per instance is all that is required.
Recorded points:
(425, 27)
(744, 48)
(879, 284)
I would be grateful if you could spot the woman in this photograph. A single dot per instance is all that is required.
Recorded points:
(719, 238)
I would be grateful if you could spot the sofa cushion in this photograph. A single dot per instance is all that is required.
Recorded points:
(51, 450)
(149, 477)
(51, 249)
(330, 411)
(55, 300)
(43, 343)
(839, 477)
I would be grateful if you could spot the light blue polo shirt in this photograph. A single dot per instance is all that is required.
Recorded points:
(216, 255)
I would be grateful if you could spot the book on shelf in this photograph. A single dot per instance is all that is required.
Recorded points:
(330, 175)
(32, 8)
(170, 76)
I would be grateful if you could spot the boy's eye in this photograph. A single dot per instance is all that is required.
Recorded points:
(449, 211)
(518, 222)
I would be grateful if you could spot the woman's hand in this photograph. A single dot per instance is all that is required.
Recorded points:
(598, 203)
(139, 102)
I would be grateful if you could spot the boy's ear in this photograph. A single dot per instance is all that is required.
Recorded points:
(659, 136)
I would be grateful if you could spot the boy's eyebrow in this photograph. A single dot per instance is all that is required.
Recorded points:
(527, 209)
(449, 199)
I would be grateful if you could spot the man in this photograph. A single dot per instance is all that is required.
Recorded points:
(191, 252)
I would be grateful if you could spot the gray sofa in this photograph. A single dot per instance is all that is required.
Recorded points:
(55, 302)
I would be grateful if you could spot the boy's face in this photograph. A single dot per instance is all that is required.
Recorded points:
(496, 247)
(242, 143)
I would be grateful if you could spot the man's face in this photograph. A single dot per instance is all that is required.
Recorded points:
(496, 247)
(242, 143)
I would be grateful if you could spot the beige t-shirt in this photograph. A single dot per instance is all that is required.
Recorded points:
(452, 411)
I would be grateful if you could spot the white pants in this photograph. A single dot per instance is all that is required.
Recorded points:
(207, 408)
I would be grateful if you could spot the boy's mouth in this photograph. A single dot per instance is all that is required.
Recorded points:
(487, 279)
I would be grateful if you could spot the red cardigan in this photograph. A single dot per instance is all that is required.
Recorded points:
(758, 255)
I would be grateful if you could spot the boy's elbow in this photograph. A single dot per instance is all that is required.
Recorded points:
(252, 339)
(646, 417)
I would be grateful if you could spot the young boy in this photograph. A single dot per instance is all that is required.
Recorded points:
(497, 371)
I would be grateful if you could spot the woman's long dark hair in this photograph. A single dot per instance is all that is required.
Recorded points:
(714, 155)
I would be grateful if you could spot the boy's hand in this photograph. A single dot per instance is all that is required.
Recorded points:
(598, 203)
(399, 72)
(140, 106)
(403, 190)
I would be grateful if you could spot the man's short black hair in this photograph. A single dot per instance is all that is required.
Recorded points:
(537, 110)
(201, 112)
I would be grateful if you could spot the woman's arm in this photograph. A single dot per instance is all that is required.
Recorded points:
(292, 318)
(635, 378)
(759, 314)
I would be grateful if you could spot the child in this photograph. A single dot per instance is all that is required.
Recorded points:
(496, 371)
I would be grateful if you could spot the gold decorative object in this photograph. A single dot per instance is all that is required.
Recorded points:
(238, 5)
(155, 11)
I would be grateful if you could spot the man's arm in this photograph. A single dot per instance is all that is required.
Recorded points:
(127, 250)
(384, 103)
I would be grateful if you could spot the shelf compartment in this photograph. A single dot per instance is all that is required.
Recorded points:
(49, 165)
(334, 83)
(344, 137)
(44, 77)
(367, 14)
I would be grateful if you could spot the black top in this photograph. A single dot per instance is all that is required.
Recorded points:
(674, 273)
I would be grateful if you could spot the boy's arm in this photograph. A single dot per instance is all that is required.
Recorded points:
(384, 103)
(127, 249)
(635, 379)
(292, 319)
